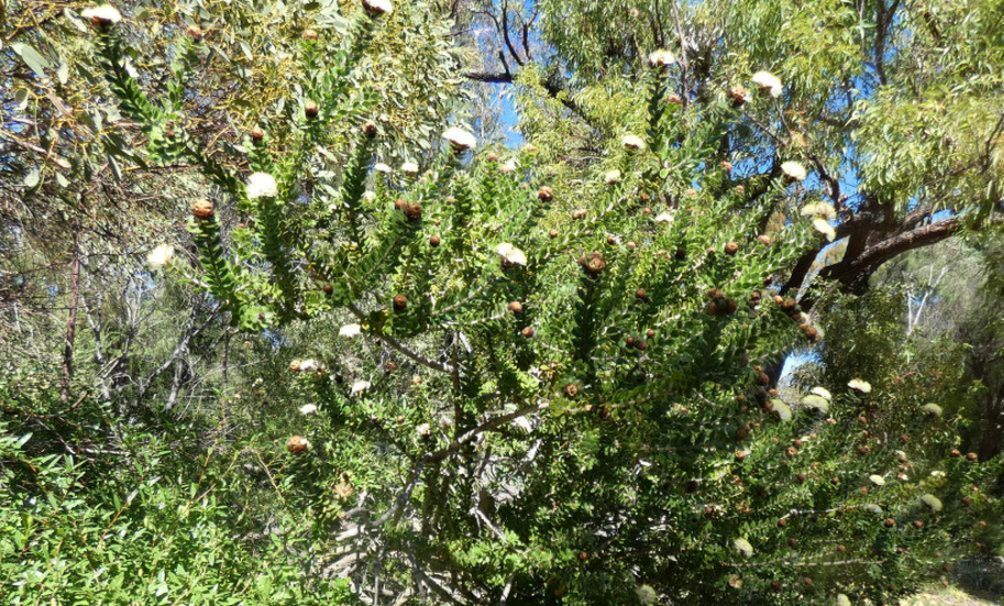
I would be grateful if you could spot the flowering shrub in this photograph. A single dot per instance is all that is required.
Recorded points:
(542, 393)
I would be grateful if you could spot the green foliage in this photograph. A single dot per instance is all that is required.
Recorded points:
(568, 409)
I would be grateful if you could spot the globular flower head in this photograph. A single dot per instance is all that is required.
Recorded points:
(350, 330)
(633, 143)
(359, 386)
(767, 81)
(661, 59)
(510, 254)
(460, 140)
(380, 167)
(794, 170)
(160, 256)
(409, 168)
(820, 209)
(308, 409)
(823, 226)
(103, 15)
(509, 166)
(860, 385)
(261, 185)
(612, 177)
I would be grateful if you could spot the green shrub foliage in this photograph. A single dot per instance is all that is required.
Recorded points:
(557, 394)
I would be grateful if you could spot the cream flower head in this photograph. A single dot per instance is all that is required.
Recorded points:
(795, 170)
(262, 185)
(160, 256)
(661, 58)
(860, 385)
(104, 14)
(612, 177)
(633, 143)
(350, 330)
(768, 82)
(409, 168)
(460, 139)
(510, 254)
(823, 226)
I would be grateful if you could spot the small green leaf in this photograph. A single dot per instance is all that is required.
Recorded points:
(932, 501)
(32, 178)
(31, 57)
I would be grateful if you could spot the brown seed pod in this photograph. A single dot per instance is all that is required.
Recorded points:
(257, 134)
(327, 288)
(629, 341)
(203, 210)
(593, 263)
(972, 457)
(764, 239)
(731, 248)
(390, 366)
(528, 332)
(640, 345)
(644, 198)
(309, 34)
(792, 542)
(738, 96)
(781, 523)
(194, 32)
(579, 213)
(553, 233)
(649, 333)
(807, 582)
(413, 212)
(611, 240)
(791, 451)
(296, 444)
(310, 109)
(545, 193)
(918, 524)
(640, 294)
(492, 157)
(955, 452)
(571, 390)
(515, 307)
(889, 522)
(631, 245)
(966, 501)
(740, 455)
(811, 332)
(582, 556)
(776, 585)
(400, 302)
(434, 240)
(864, 449)
(369, 129)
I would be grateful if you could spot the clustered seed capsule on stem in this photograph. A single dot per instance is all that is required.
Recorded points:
(545, 193)
(310, 109)
(203, 209)
(297, 444)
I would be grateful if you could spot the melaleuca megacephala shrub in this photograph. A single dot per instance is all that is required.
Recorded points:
(541, 394)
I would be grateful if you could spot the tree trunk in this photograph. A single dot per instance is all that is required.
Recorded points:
(71, 322)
